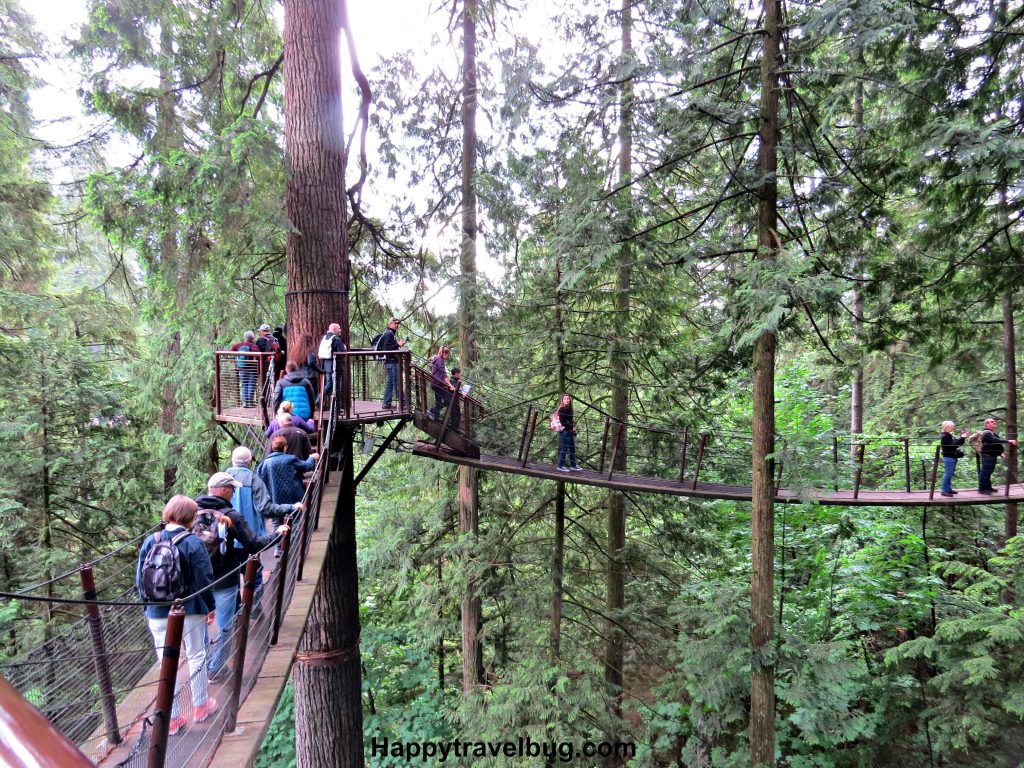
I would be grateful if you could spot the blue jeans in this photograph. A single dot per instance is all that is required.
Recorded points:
(247, 380)
(566, 448)
(391, 384)
(988, 465)
(948, 468)
(227, 604)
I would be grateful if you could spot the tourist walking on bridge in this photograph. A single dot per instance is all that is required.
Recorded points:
(247, 367)
(439, 381)
(951, 451)
(295, 387)
(567, 437)
(991, 449)
(196, 574)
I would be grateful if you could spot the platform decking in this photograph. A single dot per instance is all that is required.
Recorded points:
(641, 484)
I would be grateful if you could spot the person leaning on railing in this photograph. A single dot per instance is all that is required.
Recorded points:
(951, 451)
(197, 574)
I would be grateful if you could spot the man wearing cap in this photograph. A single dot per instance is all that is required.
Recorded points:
(389, 342)
(232, 527)
(267, 343)
(252, 500)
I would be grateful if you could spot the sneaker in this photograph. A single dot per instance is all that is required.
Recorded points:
(203, 711)
(562, 469)
(576, 468)
(176, 724)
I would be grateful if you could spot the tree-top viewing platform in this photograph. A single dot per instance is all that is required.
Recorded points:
(625, 385)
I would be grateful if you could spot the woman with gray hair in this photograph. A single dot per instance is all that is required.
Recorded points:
(951, 451)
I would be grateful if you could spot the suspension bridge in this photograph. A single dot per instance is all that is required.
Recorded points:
(96, 681)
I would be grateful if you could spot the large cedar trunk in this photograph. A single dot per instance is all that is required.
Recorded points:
(328, 684)
(472, 656)
(762, 683)
(614, 652)
(1010, 375)
(328, 714)
(317, 247)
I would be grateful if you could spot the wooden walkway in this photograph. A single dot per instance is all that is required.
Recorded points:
(641, 484)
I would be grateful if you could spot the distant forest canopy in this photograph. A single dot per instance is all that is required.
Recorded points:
(620, 190)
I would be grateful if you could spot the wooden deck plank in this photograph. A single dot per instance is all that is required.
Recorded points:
(720, 491)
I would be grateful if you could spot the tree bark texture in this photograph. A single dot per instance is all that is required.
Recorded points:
(317, 246)
(558, 552)
(328, 684)
(1010, 375)
(857, 385)
(469, 522)
(762, 580)
(614, 651)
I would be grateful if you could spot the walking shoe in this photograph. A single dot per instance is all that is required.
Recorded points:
(576, 468)
(562, 469)
(203, 711)
(946, 493)
(176, 724)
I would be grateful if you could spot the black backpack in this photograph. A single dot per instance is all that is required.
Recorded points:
(204, 528)
(162, 578)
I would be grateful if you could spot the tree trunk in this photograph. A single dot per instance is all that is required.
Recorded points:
(857, 385)
(469, 523)
(558, 552)
(1010, 376)
(328, 711)
(614, 653)
(762, 683)
(317, 246)
(328, 684)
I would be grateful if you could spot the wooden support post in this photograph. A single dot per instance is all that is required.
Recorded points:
(444, 425)
(906, 461)
(604, 443)
(282, 575)
(860, 469)
(529, 438)
(615, 447)
(99, 656)
(682, 456)
(935, 472)
(835, 462)
(778, 474)
(1009, 463)
(216, 385)
(526, 428)
(700, 459)
(165, 687)
(243, 618)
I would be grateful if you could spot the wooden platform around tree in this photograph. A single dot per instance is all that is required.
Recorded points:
(362, 412)
(641, 484)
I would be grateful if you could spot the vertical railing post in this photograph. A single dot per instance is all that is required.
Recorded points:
(860, 469)
(835, 462)
(906, 461)
(165, 687)
(935, 472)
(700, 459)
(244, 615)
(282, 575)
(526, 427)
(99, 656)
(615, 448)
(1009, 463)
(313, 501)
(604, 443)
(529, 438)
(682, 456)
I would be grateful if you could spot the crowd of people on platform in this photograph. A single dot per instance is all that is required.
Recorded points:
(204, 541)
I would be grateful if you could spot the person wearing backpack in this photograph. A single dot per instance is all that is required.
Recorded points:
(247, 367)
(267, 343)
(566, 436)
(991, 449)
(951, 451)
(174, 564)
(330, 345)
(220, 526)
(295, 387)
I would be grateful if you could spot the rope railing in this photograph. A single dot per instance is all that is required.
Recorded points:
(81, 698)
